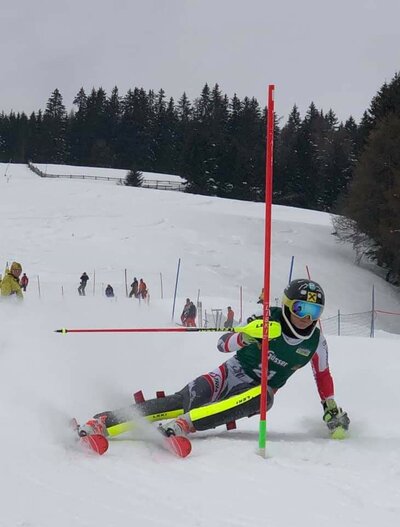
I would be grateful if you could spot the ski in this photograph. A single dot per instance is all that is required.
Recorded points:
(96, 443)
(180, 446)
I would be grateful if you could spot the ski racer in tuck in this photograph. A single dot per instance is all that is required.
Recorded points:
(232, 390)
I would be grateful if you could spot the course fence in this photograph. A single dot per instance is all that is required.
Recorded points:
(158, 184)
(364, 324)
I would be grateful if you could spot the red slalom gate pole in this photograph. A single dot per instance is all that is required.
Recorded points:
(262, 436)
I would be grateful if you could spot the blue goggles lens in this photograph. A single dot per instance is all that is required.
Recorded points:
(302, 309)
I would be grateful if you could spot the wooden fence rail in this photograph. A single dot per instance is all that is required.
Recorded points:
(147, 183)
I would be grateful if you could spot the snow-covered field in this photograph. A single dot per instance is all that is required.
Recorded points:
(59, 228)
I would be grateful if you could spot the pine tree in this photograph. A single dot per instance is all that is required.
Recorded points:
(113, 111)
(97, 129)
(198, 152)
(78, 140)
(134, 178)
(164, 134)
(184, 125)
(373, 202)
(134, 145)
(385, 102)
(250, 144)
(55, 148)
(288, 177)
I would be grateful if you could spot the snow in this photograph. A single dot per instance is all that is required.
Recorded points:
(59, 228)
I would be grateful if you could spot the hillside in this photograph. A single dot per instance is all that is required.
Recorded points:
(60, 228)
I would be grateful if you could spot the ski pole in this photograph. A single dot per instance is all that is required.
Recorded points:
(253, 329)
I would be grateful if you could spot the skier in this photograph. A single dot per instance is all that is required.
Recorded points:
(232, 390)
(10, 283)
(81, 289)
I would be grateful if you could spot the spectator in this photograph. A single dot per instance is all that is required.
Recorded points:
(134, 288)
(109, 291)
(229, 318)
(142, 289)
(10, 283)
(191, 318)
(24, 282)
(185, 312)
(81, 289)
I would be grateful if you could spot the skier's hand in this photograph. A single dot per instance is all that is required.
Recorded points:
(334, 416)
(247, 339)
(254, 316)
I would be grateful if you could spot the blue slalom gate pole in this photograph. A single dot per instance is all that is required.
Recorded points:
(176, 288)
(291, 270)
(373, 313)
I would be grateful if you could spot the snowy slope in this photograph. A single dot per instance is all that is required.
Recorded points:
(58, 229)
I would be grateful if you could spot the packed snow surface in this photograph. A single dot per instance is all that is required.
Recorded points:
(59, 228)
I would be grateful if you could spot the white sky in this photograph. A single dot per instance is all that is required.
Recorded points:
(336, 54)
(58, 229)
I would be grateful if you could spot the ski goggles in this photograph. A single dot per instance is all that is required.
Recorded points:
(303, 309)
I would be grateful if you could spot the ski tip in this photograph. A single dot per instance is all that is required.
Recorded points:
(96, 442)
(179, 445)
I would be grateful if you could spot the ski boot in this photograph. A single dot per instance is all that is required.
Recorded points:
(93, 427)
(177, 427)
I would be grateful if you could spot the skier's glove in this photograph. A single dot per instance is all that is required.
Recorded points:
(334, 416)
(247, 339)
(253, 317)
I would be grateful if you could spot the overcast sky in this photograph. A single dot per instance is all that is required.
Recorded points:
(334, 53)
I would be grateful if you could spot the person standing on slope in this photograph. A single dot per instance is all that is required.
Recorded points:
(109, 292)
(191, 316)
(212, 399)
(10, 284)
(24, 281)
(82, 286)
(134, 288)
(185, 312)
(230, 315)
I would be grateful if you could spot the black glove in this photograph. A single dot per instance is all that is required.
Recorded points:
(334, 416)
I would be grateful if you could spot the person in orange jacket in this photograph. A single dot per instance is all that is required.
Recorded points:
(191, 317)
(230, 315)
(185, 312)
(142, 291)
